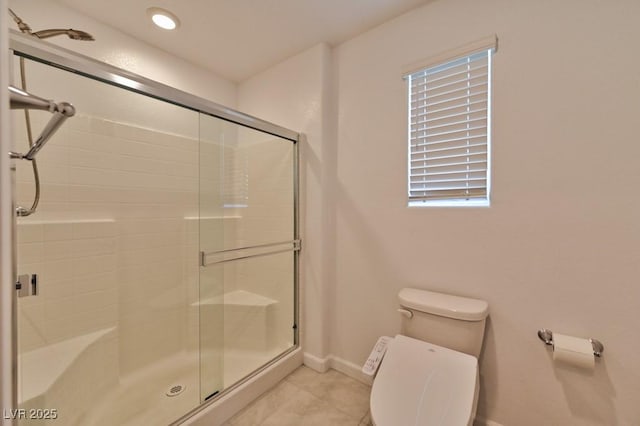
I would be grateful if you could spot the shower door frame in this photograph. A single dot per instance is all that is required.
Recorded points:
(8, 337)
(40, 51)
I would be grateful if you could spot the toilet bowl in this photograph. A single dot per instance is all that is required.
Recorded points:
(419, 383)
(429, 374)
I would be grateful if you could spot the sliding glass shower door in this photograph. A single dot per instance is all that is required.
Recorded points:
(164, 247)
(247, 246)
(111, 331)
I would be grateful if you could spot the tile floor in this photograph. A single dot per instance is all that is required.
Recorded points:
(308, 398)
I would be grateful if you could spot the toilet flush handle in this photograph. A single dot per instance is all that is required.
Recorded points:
(406, 312)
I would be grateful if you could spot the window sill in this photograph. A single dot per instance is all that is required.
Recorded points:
(450, 203)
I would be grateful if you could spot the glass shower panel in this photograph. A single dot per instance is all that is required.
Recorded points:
(258, 313)
(246, 244)
(113, 337)
(212, 236)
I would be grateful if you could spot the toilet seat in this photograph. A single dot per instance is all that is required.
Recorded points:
(421, 384)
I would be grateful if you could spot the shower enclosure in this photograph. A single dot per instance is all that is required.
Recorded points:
(163, 255)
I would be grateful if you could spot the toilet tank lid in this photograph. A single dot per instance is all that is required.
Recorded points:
(446, 305)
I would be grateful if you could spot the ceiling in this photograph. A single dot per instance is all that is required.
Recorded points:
(239, 38)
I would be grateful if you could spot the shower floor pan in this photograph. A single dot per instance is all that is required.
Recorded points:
(80, 376)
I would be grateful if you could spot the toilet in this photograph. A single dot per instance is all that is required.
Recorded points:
(429, 373)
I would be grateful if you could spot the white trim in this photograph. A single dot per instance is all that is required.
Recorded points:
(350, 369)
(489, 125)
(481, 421)
(489, 42)
(482, 202)
(321, 365)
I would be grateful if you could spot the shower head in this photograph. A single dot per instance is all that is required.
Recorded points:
(71, 33)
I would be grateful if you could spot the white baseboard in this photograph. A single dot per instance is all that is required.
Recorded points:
(321, 365)
(350, 369)
(480, 421)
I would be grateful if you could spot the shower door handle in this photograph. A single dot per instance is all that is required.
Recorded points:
(241, 253)
(27, 285)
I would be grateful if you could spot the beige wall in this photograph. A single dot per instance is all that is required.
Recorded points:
(558, 248)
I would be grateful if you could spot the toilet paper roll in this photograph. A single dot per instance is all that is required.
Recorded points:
(573, 351)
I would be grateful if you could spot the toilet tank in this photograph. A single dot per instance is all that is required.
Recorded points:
(445, 320)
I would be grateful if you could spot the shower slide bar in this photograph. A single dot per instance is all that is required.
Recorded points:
(61, 111)
(229, 255)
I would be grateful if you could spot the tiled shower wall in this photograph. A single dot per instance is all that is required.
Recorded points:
(268, 218)
(257, 292)
(116, 237)
(77, 268)
(110, 241)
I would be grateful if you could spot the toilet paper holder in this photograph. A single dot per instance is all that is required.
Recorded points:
(547, 337)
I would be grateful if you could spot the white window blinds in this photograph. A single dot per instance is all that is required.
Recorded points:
(449, 130)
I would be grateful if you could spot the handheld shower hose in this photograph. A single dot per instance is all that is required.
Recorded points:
(26, 101)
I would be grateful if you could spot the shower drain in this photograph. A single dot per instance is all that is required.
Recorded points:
(175, 390)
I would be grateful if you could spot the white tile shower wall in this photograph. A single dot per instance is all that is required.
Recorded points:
(76, 265)
(217, 231)
(270, 277)
(268, 218)
(269, 214)
(110, 239)
(266, 166)
(91, 372)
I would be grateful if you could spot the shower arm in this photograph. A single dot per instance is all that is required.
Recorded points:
(61, 111)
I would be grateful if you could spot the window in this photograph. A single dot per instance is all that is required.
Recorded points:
(450, 131)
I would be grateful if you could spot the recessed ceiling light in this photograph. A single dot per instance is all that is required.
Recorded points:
(163, 18)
